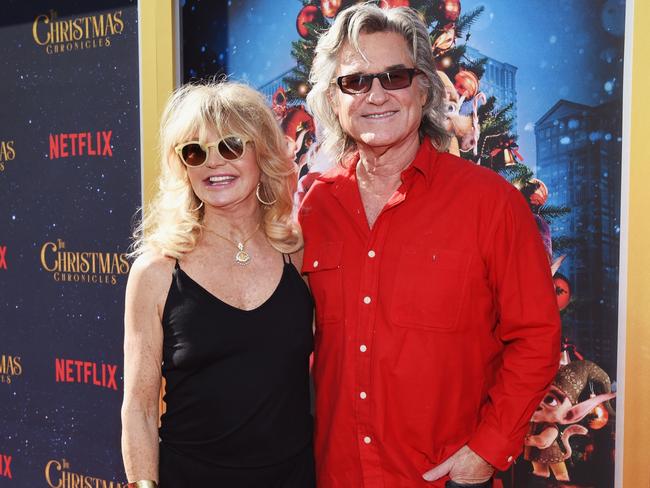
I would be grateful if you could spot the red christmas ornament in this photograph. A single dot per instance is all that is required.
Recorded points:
(600, 417)
(466, 83)
(307, 15)
(589, 452)
(562, 291)
(540, 195)
(330, 8)
(449, 10)
(394, 3)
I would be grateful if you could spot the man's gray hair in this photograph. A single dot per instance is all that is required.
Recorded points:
(368, 18)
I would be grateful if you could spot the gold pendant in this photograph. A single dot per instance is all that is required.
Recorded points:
(242, 257)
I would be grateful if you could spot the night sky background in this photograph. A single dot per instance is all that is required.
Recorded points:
(87, 201)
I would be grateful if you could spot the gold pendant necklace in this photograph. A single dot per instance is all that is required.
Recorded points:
(242, 257)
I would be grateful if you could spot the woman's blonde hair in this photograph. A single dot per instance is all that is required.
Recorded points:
(172, 224)
(367, 18)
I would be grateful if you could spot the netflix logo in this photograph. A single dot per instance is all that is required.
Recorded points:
(81, 144)
(5, 466)
(3, 257)
(87, 372)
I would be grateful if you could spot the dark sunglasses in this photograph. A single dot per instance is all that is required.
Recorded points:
(194, 153)
(395, 79)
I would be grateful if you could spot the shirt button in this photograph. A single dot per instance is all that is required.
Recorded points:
(363, 348)
(363, 395)
(367, 440)
(509, 459)
(367, 300)
(371, 254)
(315, 264)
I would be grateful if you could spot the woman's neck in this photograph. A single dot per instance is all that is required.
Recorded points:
(235, 223)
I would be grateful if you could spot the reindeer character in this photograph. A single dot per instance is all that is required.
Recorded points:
(560, 408)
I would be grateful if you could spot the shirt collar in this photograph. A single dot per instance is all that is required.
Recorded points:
(425, 160)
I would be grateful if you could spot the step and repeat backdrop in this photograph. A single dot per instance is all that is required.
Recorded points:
(542, 84)
(70, 185)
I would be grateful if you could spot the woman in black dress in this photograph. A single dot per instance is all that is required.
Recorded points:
(215, 306)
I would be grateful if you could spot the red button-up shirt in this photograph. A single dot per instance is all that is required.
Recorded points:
(435, 328)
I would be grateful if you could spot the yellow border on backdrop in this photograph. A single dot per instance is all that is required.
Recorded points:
(158, 79)
(636, 469)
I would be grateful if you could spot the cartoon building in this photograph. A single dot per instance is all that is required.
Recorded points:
(579, 160)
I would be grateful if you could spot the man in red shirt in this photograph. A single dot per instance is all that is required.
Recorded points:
(437, 330)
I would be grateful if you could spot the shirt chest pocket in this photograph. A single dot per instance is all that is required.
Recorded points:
(322, 265)
(429, 288)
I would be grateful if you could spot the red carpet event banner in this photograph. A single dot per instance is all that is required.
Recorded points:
(534, 92)
(70, 184)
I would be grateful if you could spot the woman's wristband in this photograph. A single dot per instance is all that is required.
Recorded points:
(143, 484)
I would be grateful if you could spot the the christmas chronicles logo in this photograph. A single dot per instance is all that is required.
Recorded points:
(10, 367)
(86, 372)
(74, 34)
(77, 266)
(59, 474)
(81, 144)
(5, 466)
(7, 153)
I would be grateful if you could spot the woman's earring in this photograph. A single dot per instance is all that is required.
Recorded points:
(197, 208)
(259, 198)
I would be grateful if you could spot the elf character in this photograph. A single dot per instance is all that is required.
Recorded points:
(547, 444)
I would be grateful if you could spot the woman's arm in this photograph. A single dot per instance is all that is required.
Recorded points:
(145, 296)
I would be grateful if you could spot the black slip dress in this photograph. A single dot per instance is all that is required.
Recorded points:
(237, 388)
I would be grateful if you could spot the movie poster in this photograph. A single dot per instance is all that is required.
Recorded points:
(534, 92)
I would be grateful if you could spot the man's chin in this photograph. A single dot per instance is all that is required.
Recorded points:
(373, 139)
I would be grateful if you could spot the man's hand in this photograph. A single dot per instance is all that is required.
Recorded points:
(464, 466)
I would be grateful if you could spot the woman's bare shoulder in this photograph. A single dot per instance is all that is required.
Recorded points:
(151, 273)
(152, 262)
